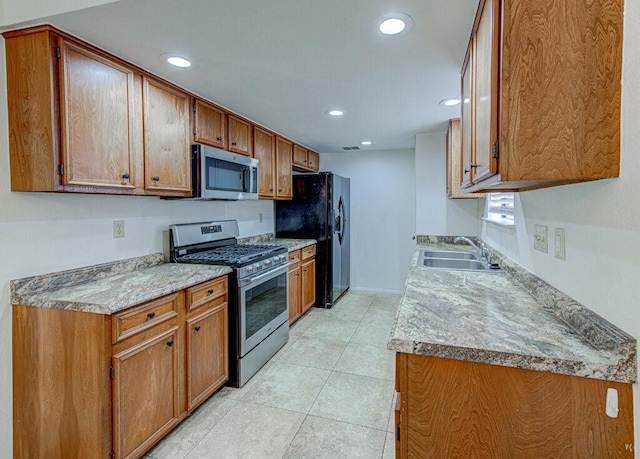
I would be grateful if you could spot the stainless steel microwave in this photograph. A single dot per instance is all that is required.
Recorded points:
(219, 174)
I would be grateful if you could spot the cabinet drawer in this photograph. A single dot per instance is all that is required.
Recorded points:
(144, 316)
(308, 252)
(201, 294)
(294, 257)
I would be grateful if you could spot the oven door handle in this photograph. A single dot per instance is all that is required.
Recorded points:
(271, 273)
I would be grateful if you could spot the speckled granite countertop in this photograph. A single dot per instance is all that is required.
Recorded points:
(269, 239)
(111, 287)
(512, 319)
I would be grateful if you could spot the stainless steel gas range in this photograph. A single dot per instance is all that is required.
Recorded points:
(258, 298)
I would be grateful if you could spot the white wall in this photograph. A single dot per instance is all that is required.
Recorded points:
(601, 220)
(15, 11)
(435, 213)
(41, 232)
(382, 215)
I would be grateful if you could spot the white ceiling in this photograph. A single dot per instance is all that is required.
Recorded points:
(283, 63)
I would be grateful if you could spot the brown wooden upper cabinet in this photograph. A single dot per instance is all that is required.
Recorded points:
(240, 140)
(97, 119)
(76, 120)
(454, 165)
(284, 152)
(264, 150)
(167, 151)
(299, 156)
(313, 160)
(210, 125)
(543, 86)
(305, 160)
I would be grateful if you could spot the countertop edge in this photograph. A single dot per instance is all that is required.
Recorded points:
(617, 347)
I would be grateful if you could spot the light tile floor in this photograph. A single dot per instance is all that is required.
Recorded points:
(326, 394)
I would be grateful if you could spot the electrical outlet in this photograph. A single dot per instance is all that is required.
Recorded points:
(118, 229)
(559, 244)
(540, 238)
(260, 217)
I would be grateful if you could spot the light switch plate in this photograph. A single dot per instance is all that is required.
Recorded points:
(540, 238)
(559, 244)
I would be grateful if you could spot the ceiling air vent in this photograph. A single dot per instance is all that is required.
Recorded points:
(351, 148)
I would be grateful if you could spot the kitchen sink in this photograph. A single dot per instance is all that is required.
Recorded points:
(449, 254)
(444, 259)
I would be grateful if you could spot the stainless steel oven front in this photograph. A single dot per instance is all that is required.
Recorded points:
(263, 318)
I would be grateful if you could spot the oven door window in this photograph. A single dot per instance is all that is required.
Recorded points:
(265, 309)
(225, 175)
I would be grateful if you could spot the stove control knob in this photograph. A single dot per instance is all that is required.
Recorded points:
(249, 269)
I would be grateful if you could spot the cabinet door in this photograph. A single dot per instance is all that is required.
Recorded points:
(97, 118)
(294, 294)
(283, 168)
(210, 125)
(308, 284)
(240, 136)
(485, 92)
(145, 393)
(207, 354)
(167, 149)
(466, 123)
(264, 152)
(300, 156)
(313, 160)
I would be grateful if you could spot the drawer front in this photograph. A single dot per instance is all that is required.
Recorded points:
(199, 295)
(308, 252)
(144, 316)
(294, 257)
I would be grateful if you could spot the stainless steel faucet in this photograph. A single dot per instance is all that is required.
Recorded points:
(468, 241)
(482, 250)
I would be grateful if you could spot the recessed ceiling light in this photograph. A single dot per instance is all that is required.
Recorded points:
(177, 61)
(365, 142)
(450, 102)
(394, 23)
(335, 112)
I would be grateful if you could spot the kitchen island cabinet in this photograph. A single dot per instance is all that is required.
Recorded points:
(501, 364)
(543, 85)
(95, 374)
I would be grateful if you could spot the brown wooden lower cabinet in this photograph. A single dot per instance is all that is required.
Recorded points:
(302, 281)
(89, 385)
(453, 408)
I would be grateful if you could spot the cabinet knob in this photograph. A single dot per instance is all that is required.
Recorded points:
(219, 138)
(473, 166)
(151, 315)
(210, 291)
(270, 189)
(156, 178)
(234, 143)
(197, 328)
(125, 176)
(170, 343)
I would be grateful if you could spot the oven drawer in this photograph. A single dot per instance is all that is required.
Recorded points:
(147, 315)
(308, 252)
(201, 294)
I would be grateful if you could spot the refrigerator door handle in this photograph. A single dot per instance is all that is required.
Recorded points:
(341, 221)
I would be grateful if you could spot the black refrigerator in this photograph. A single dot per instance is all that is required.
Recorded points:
(320, 210)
